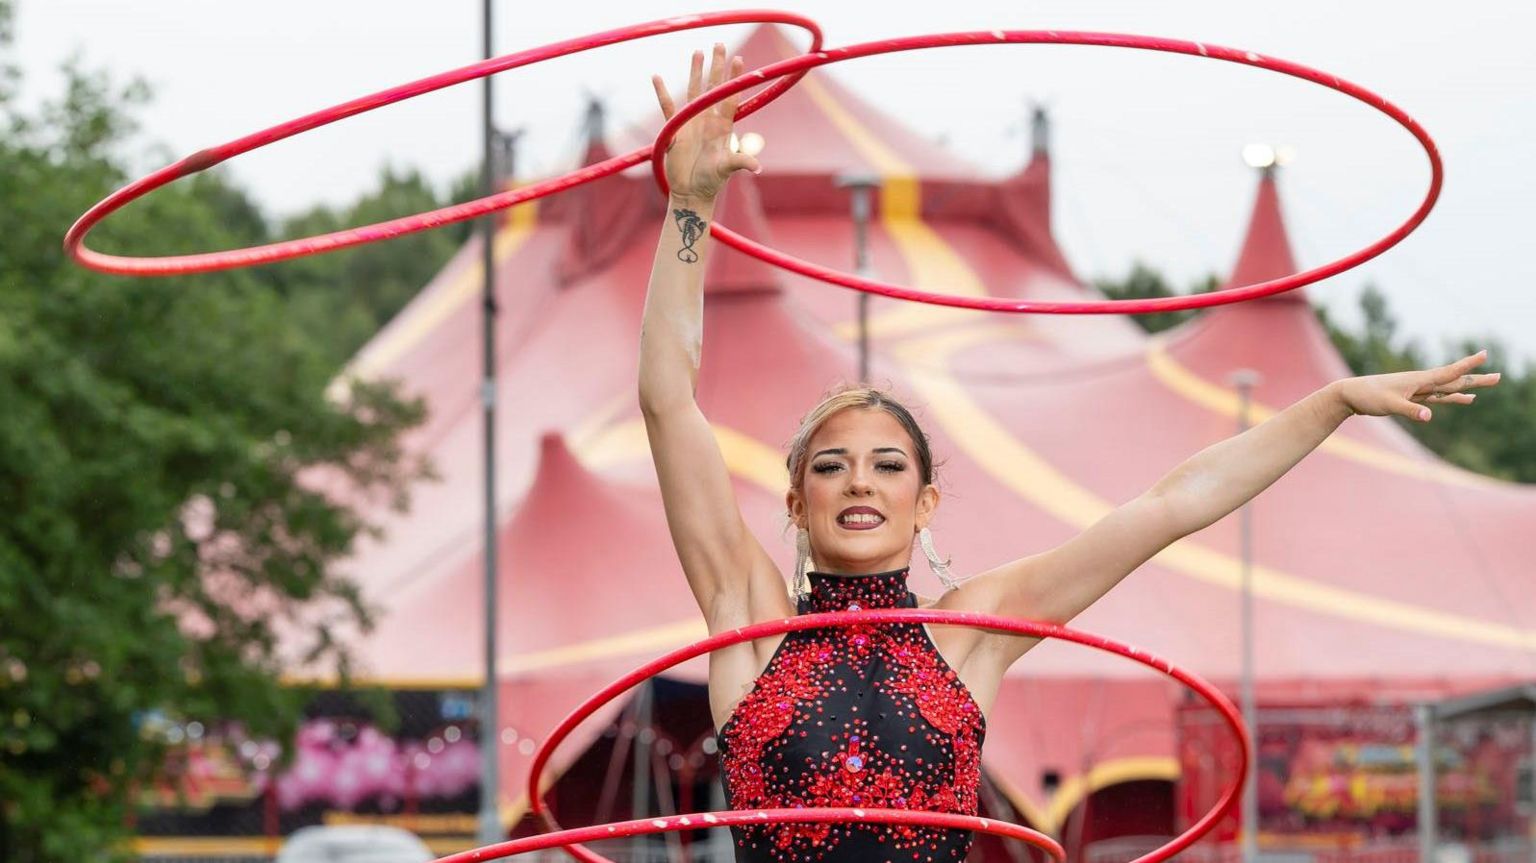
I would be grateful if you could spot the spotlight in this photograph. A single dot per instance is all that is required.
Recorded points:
(1259, 155)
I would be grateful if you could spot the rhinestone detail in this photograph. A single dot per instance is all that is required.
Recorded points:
(863, 715)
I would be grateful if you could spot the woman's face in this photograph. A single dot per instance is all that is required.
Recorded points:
(862, 496)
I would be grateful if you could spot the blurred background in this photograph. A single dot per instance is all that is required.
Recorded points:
(241, 573)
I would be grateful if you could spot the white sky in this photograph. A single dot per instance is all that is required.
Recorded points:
(1146, 146)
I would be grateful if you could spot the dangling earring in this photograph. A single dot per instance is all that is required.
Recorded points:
(803, 562)
(939, 567)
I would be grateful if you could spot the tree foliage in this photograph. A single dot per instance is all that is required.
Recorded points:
(1142, 283)
(160, 449)
(343, 298)
(1492, 438)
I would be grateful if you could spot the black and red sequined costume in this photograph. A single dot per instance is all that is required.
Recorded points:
(854, 716)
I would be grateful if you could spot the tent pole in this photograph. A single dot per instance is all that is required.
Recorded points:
(622, 744)
(721, 843)
(490, 829)
(1530, 829)
(666, 805)
(640, 803)
(1425, 716)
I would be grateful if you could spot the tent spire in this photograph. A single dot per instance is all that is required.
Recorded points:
(1039, 132)
(1022, 208)
(731, 272)
(1266, 252)
(504, 159)
(602, 215)
(593, 123)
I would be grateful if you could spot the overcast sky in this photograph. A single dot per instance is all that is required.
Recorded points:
(1146, 146)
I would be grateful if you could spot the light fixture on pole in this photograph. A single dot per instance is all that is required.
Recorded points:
(504, 162)
(489, 829)
(1245, 380)
(1267, 158)
(862, 184)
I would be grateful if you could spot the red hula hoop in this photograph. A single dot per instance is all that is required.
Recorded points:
(568, 838)
(281, 251)
(805, 62)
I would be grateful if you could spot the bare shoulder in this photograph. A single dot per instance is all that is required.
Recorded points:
(979, 593)
(959, 645)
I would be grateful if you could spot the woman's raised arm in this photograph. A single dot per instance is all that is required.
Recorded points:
(729, 571)
(1060, 583)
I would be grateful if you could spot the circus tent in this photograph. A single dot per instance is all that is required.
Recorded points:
(1378, 570)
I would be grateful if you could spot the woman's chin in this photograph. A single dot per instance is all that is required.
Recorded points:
(861, 557)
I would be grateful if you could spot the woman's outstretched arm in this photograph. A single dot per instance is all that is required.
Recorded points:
(727, 569)
(1058, 584)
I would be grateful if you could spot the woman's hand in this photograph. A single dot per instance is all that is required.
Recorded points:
(1407, 393)
(700, 160)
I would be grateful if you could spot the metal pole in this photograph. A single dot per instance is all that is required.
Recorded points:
(1530, 830)
(861, 266)
(1245, 380)
(490, 728)
(863, 337)
(640, 798)
(720, 844)
(862, 184)
(1424, 714)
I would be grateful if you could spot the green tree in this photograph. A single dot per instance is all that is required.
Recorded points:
(1143, 282)
(1491, 438)
(1375, 349)
(162, 444)
(342, 299)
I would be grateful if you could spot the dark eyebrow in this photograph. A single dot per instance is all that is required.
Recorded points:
(842, 451)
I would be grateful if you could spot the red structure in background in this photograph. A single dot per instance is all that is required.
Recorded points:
(1045, 425)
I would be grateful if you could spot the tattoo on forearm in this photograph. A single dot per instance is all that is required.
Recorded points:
(692, 228)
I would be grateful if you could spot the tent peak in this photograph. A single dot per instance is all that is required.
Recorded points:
(1039, 131)
(740, 206)
(594, 122)
(560, 480)
(1266, 252)
(820, 127)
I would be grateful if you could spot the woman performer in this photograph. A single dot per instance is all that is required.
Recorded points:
(891, 716)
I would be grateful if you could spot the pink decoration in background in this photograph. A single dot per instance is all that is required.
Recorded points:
(332, 771)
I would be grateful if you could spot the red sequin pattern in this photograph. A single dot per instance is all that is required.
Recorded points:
(861, 716)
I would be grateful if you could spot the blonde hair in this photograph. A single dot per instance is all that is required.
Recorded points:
(856, 397)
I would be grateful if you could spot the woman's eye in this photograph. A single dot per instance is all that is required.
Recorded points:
(826, 467)
(892, 465)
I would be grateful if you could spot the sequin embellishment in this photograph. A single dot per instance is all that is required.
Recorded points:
(862, 715)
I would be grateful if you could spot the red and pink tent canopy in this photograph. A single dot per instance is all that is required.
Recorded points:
(1380, 571)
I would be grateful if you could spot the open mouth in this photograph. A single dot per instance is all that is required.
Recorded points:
(860, 518)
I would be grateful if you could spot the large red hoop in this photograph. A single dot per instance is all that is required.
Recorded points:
(1211, 694)
(569, 839)
(74, 240)
(811, 60)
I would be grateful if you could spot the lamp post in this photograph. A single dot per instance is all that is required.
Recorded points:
(862, 183)
(1424, 753)
(1245, 380)
(489, 822)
